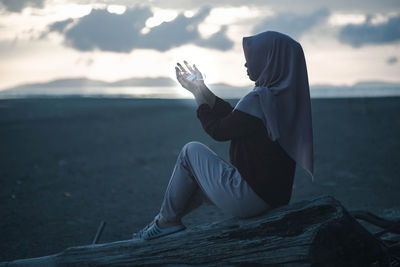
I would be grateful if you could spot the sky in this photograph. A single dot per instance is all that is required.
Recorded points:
(345, 42)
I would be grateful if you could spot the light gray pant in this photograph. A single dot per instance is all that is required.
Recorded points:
(201, 175)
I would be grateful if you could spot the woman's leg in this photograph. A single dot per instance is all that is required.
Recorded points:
(201, 175)
(183, 193)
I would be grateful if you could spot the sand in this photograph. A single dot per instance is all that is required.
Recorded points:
(67, 164)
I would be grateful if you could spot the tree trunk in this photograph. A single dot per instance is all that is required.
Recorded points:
(318, 232)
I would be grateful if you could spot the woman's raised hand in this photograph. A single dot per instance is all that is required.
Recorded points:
(190, 78)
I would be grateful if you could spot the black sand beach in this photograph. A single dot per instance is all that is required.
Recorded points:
(67, 164)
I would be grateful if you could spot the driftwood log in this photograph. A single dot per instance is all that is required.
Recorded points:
(318, 232)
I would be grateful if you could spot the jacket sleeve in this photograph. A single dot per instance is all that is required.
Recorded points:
(221, 108)
(222, 125)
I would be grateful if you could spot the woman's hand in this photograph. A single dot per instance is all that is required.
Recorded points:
(190, 79)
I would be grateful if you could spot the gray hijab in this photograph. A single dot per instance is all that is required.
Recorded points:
(281, 96)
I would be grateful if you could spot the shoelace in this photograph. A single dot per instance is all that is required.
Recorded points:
(153, 231)
(144, 230)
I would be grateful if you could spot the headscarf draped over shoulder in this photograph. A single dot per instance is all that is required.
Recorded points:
(281, 96)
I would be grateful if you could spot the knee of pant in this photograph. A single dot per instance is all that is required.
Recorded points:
(191, 147)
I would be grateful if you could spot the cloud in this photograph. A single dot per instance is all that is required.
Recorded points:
(59, 26)
(177, 32)
(391, 60)
(19, 5)
(293, 25)
(107, 31)
(369, 33)
(218, 39)
(289, 6)
(122, 32)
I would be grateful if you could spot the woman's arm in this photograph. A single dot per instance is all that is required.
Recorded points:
(217, 116)
(203, 95)
(236, 124)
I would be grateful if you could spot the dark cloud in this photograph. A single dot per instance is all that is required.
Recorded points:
(177, 32)
(391, 60)
(19, 5)
(107, 31)
(368, 33)
(122, 32)
(293, 25)
(59, 26)
(218, 39)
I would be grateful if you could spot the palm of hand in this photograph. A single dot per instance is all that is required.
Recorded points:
(182, 75)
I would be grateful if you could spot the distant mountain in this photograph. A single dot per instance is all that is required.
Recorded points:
(154, 87)
(359, 85)
(82, 82)
(68, 82)
(84, 86)
(376, 84)
(360, 89)
(85, 82)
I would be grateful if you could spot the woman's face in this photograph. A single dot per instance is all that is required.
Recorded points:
(248, 73)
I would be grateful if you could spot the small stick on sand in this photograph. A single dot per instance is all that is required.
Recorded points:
(99, 232)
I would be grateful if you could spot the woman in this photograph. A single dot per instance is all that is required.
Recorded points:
(270, 131)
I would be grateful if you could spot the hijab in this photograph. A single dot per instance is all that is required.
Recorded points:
(281, 96)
